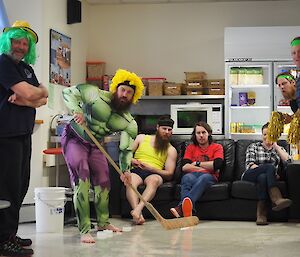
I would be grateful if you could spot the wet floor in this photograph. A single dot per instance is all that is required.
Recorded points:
(209, 238)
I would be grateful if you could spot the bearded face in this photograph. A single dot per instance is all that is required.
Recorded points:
(122, 98)
(120, 104)
(162, 138)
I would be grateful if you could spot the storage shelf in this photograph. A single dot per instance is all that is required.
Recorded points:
(284, 108)
(246, 134)
(250, 107)
(250, 86)
(183, 97)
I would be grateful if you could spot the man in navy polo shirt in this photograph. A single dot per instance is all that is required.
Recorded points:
(20, 94)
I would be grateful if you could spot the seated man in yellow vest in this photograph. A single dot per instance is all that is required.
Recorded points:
(154, 161)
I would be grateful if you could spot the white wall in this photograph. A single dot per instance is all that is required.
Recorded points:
(168, 39)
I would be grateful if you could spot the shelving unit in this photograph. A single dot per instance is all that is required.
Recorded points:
(183, 97)
(249, 107)
(242, 117)
(160, 105)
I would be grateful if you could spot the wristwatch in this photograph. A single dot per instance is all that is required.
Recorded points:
(198, 163)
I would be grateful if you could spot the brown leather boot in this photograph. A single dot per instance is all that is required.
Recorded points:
(276, 198)
(261, 213)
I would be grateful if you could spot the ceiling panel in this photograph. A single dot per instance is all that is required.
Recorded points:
(166, 1)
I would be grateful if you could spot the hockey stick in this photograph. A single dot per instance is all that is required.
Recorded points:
(166, 223)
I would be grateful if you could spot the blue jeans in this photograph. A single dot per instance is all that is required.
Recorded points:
(264, 177)
(194, 184)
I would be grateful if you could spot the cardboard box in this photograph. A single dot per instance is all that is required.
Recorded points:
(154, 86)
(196, 84)
(216, 83)
(194, 91)
(95, 70)
(199, 75)
(215, 91)
(172, 88)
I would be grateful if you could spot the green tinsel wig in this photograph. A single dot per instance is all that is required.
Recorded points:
(17, 33)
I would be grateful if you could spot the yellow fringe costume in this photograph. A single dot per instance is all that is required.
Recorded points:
(276, 125)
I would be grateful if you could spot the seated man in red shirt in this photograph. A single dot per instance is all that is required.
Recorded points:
(201, 164)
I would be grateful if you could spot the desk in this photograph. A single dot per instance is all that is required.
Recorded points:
(4, 204)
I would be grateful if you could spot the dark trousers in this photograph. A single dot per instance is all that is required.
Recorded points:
(15, 155)
(264, 177)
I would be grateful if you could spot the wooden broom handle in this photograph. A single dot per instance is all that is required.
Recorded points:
(111, 161)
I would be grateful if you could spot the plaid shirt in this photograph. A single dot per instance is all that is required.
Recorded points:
(257, 154)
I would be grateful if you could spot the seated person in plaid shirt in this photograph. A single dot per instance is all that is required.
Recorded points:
(262, 160)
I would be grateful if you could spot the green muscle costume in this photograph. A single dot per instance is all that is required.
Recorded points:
(102, 120)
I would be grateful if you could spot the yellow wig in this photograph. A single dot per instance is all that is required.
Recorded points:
(124, 75)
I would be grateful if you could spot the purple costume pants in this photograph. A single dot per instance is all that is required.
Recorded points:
(84, 160)
(87, 166)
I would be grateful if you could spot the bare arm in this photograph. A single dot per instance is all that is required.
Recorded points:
(135, 145)
(18, 100)
(209, 165)
(29, 92)
(284, 156)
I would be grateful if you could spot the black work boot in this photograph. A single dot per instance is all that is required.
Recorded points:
(12, 248)
(23, 241)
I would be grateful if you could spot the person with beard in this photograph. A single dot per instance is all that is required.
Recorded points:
(153, 163)
(103, 113)
(202, 162)
(287, 85)
(20, 94)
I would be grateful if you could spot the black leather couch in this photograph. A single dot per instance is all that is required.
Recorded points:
(229, 199)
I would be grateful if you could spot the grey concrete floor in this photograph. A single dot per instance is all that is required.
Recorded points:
(209, 238)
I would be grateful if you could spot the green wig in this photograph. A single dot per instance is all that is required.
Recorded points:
(18, 33)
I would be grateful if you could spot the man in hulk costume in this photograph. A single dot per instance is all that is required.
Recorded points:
(104, 113)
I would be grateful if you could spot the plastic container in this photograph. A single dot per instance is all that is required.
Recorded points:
(49, 209)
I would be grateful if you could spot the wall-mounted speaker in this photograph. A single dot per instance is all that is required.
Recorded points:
(73, 11)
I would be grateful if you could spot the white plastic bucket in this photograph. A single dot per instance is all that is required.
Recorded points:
(49, 209)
